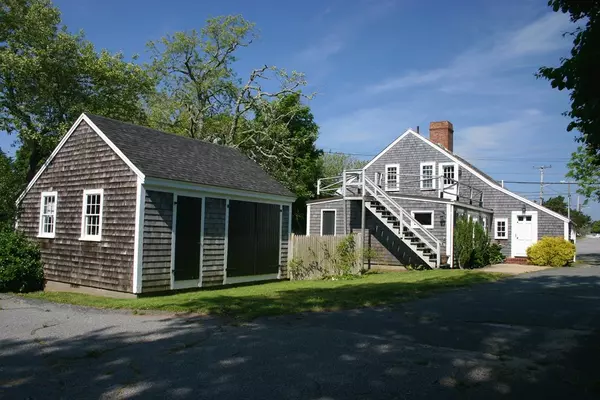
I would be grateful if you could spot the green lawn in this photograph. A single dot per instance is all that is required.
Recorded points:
(251, 301)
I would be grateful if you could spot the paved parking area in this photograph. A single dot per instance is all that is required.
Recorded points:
(531, 336)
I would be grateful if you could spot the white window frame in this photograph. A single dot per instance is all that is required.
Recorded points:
(412, 213)
(41, 232)
(84, 236)
(496, 220)
(387, 186)
(334, 221)
(422, 180)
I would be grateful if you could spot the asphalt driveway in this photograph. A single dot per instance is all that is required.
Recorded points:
(531, 336)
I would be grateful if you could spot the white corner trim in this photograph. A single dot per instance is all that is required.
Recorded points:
(484, 179)
(389, 146)
(496, 220)
(565, 233)
(412, 213)
(138, 241)
(84, 236)
(433, 171)
(308, 220)
(85, 118)
(41, 233)
(450, 234)
(280, 240)
(334, 221)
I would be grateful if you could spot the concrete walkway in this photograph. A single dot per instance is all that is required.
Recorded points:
(530, 336)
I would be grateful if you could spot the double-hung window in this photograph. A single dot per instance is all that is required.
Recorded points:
(48, 214)
(91, 223)
(501, 228)
(427, 181)
(392, 178)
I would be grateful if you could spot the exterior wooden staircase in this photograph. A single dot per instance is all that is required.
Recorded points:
(402, 224)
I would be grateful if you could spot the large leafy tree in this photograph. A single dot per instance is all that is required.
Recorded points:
(578, 74)
(334, 164)
(265, 114)
(48, 76)
(580, 220)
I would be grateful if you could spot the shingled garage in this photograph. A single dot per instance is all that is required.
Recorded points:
(124, 208)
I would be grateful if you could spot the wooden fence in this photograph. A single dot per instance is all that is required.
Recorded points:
(316, 256)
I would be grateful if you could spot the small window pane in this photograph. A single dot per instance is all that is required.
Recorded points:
(424, 218)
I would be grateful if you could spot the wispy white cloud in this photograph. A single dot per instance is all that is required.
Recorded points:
(322, 50)
(508, 51)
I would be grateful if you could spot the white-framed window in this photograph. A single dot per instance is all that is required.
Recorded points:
(48, 203)
(328, 222)
(392, 177)
(423, 217)
(91, 218)
(501, 228)
(427, 181)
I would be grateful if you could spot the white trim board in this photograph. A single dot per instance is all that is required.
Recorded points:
(138, 241)
(308, 219)
(189, 189)
(89, 122)
(490, 183)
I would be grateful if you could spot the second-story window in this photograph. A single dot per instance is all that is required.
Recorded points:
(427, 181)
(392, 181)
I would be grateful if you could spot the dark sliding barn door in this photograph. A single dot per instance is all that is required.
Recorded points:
(253, 238)
(187, 238)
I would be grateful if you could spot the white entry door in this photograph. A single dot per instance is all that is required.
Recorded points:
(524, 232)
(448, 173)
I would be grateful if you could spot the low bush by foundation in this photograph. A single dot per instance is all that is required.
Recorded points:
(551, 251)
(20, 263)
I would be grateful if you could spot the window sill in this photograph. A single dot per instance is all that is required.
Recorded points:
(46, 236)
(500, 238)
(90, 239)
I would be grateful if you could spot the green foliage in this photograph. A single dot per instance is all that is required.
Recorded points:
(551, 251)
(10, 187)
(495, 252)
(333, 164)
(584, 167)
(20, 263)
(596, 227)
(578, 75)
(472, 247)
(342, 262)
(49, 76)
(557, 204)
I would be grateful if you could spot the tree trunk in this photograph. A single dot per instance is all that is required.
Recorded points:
(34, 160)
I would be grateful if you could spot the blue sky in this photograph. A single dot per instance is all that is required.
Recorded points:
(382, 66)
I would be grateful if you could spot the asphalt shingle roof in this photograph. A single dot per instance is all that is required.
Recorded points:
(162, 155)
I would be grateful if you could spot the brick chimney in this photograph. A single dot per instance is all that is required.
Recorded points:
(442, 132)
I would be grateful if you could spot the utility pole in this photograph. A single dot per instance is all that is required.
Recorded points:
(568, 198)
(578, 204)
(542, 168)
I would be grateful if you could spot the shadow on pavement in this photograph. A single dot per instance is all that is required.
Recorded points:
(523, 337)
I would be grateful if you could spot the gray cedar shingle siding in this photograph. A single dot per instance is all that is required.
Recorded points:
(285, 238)
(86, 162)
(411, 151)
(158, 225)
(213, 256)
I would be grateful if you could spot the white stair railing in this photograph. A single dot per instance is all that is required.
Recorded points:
(401, 214)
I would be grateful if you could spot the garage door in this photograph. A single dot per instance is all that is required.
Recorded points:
(253, 239)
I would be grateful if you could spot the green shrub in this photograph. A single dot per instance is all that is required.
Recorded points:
(20, 263)
(496, 256)
(551, 251)
(472, 247)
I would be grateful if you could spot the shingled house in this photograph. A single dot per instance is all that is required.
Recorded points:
(410, 195)
(124, 208)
